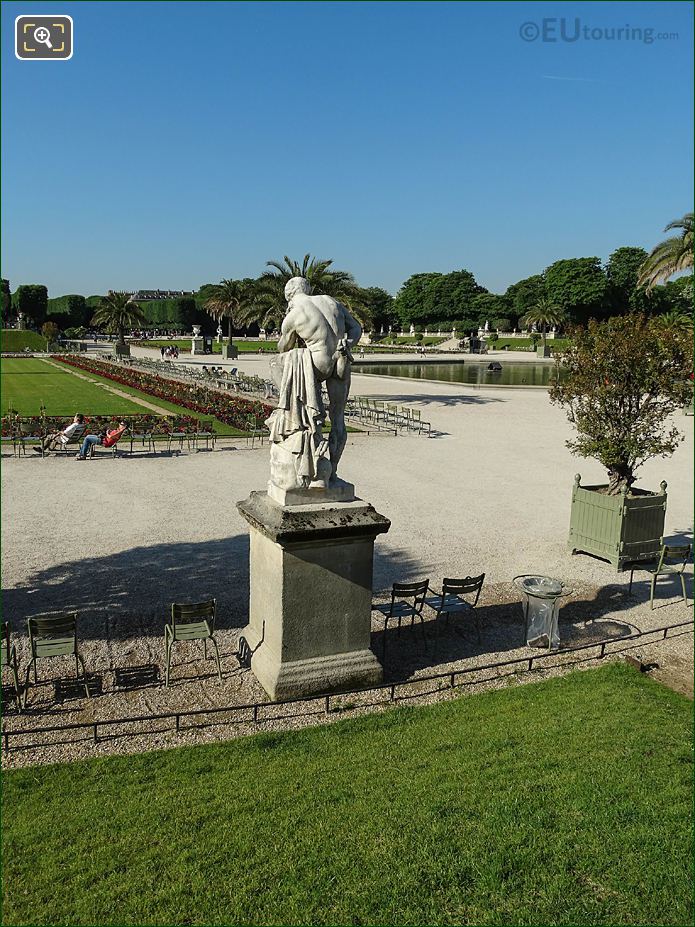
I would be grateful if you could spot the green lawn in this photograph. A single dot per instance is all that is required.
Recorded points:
(29, 382)
(12, 340)
(563, 802)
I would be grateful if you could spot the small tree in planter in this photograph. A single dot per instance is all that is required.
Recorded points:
(622, 380)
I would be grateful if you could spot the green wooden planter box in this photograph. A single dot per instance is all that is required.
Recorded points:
(621, 529)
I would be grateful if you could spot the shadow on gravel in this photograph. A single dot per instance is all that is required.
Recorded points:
(581, 622)
(129, 594)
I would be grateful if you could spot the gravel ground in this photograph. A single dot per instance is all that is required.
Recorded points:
(119, 539)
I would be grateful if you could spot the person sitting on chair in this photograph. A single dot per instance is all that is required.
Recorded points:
(105, 439)
(60, 438)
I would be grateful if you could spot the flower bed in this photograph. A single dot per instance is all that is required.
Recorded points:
(232, 410)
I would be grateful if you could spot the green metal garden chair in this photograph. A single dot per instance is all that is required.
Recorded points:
(9, 659)
(451, 600)
(672, 561)
(191, 622)
(54, 636)
(407, 601)
(205, 432)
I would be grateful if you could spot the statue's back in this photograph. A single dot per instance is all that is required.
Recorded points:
(332, 311)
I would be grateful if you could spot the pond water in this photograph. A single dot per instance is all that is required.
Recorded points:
(474, 373)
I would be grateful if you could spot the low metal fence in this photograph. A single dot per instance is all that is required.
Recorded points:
(257, 712)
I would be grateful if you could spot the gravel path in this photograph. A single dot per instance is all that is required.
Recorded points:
(124, 537)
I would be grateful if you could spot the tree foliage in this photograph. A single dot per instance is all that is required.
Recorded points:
(67, 311)
(523, 295)
(117, 312)
(230, 299)
(624, 379)
(50, 331)
(437, 298)
(622, 272)
(31, 299)
(380, 307)
(578, 285)
(6, 300)
(544, 315)
(670, 256)
(270, 303)
(485, 307)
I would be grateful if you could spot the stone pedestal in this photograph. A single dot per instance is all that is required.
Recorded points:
(311, 594)
(197, 345)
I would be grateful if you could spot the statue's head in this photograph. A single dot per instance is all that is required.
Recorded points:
(297, 285)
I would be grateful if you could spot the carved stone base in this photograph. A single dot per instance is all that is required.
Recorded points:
(310, 595)
(338, 491)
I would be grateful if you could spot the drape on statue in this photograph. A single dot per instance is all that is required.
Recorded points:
(295, 426)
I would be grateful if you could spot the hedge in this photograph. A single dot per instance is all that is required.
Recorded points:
(68, 311)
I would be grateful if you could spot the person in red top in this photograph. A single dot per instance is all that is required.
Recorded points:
(106, 439)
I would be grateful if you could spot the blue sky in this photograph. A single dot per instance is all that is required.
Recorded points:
(186, 142)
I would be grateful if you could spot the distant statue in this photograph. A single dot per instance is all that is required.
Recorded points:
(315, 345)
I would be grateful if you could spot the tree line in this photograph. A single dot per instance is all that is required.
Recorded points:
(571, 290)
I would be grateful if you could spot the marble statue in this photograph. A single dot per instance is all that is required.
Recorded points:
(314, 348)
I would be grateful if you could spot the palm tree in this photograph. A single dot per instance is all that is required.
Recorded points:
(676, 320)
(117, 312)
(543, 315)
(230, 299)
(670, 256)
(323, 279)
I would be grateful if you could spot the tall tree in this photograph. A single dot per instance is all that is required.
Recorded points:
(230, 299)
(524, 294)
(380, 306)
(578, 285)
(670, 256)
(31, 299)
(431, 298)
(6, 300)
(544, 315)
(414, 300)
(488, 307)
(117, 312)
(622, 272)
(325, 280)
